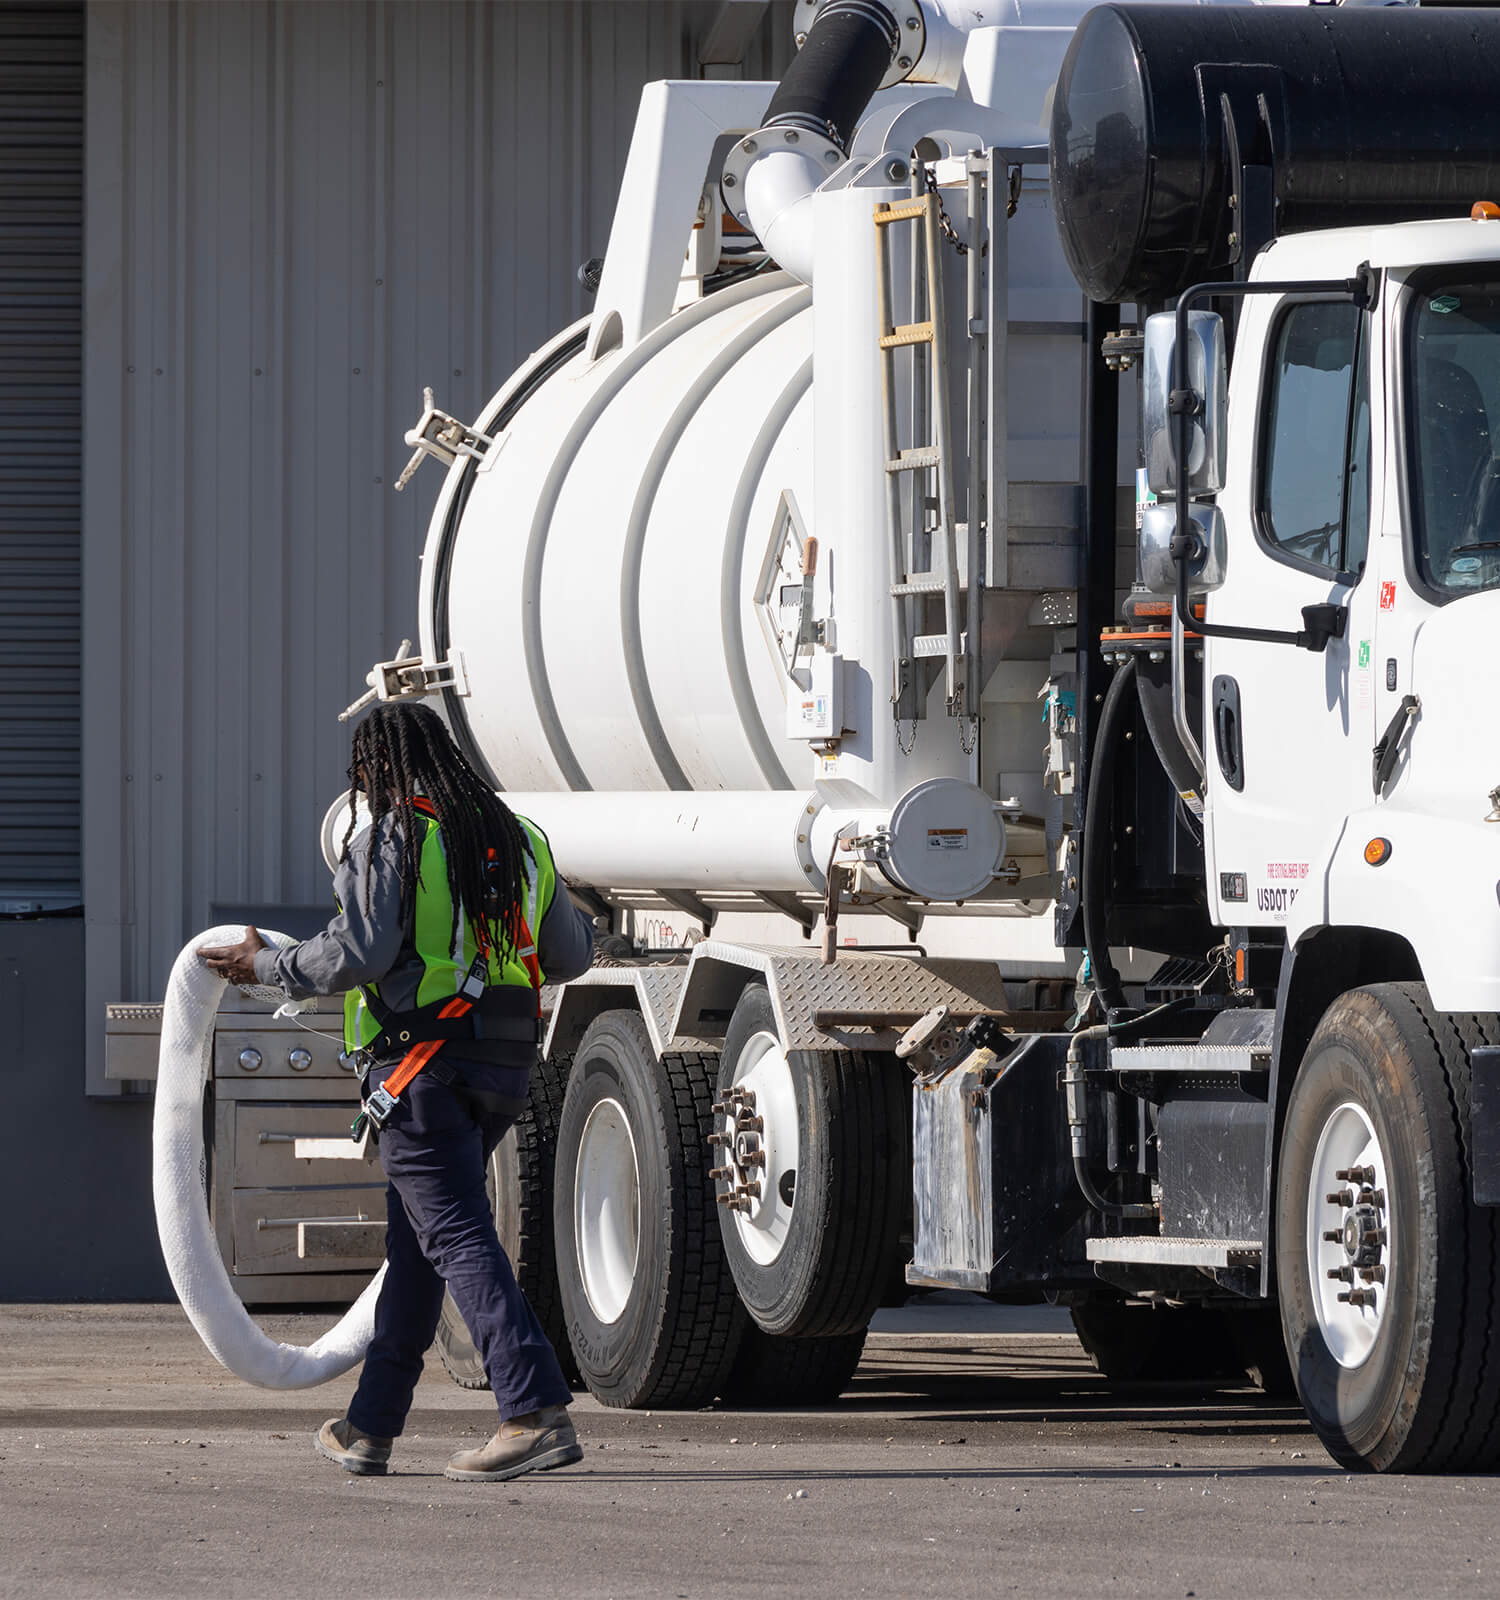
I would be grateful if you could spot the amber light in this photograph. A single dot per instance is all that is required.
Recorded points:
(1484, 211)
(1239, 966)
(1378, 852)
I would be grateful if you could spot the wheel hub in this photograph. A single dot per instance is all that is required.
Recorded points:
(1349, 1234)
(607, 1209)
(756, 1129)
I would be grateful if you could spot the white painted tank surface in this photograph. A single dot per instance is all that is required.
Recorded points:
(599, 585)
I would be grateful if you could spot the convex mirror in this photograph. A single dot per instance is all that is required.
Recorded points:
(1205, 569)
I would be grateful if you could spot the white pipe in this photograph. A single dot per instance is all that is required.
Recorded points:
(778, 183)
(187, 1238)
(768, 839)
(778, 196)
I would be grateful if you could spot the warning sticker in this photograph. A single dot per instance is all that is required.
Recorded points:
(947, 838)
(1286, 869)
(1388, 596)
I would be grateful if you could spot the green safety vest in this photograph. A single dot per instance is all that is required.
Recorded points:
(445, 960)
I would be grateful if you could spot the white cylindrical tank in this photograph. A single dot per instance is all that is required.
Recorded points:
(600, 576)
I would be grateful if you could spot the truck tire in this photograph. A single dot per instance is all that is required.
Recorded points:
(822, 1193)
(520, 1187)
(772, 1373)
(650, 1304)
(1412, 1381)
(1154, 1344)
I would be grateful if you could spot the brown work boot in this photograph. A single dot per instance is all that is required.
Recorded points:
(341, 1441)
(535, 1442)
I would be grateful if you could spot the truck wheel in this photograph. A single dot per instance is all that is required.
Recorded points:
(1151, 1344)
(651, 1309)
(770, 1373)
(819, 1162)
(520, 1186)
(1387, 1271)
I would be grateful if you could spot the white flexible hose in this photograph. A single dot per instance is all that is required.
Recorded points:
(177, 1170)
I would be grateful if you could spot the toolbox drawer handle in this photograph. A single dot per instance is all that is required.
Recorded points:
(294, 1222)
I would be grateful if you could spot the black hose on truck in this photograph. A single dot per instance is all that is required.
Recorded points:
(848, 51)
(1098, 836)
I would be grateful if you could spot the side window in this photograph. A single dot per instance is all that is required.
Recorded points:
(1311, 457)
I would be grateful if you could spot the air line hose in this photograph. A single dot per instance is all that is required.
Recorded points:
(1098, 836)
(177, 1181)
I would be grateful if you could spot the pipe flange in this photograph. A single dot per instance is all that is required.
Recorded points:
(802, 136)
(909, 18)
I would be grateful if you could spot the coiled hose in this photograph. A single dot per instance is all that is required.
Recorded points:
(177, 1184)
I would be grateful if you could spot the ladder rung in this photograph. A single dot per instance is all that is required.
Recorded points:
(915, 460)
(901, 211)
(936, 644)
(920, 586)
(908, 333)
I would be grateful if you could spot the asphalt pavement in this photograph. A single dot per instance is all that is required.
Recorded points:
(975, 1453)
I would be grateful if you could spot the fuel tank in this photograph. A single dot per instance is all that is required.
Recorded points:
(1365, 114)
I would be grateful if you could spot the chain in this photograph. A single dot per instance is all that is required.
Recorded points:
(945, 222)
(906, 746)
(968, 734)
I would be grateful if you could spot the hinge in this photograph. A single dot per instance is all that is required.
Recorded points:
(438, 434)
(408, 677)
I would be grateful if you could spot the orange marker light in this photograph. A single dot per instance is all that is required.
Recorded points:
(1484, 211)
(1239, 966)
(1378, 852)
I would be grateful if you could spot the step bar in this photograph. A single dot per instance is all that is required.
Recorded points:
(1154, 1251)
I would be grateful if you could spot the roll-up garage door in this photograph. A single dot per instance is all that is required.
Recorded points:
(41, 404)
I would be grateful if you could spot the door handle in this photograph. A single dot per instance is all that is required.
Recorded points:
(1228, 731)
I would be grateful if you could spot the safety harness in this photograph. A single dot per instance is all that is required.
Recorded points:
(480, 1010)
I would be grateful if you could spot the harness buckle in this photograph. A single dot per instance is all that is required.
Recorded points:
(378, 1108)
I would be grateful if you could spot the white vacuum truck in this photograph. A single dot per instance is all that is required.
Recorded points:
(795, 586)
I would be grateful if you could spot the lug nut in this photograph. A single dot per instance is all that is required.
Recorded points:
(1341, 1197)
(752, 1158)
(746, 1098)
(1372, 1274)
(1334, 1236)
(726, 1173)
(750, 1190)
(1359, 1175)
(1342, 1274)
(1377, 1199)
(745, 1124)
(720, 1139)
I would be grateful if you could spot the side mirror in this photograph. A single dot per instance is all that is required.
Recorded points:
(1205, 568)
(1203, 368)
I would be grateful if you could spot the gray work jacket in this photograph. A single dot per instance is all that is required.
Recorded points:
(375, 945)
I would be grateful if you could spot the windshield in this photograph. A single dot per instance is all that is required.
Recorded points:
(1453, 363)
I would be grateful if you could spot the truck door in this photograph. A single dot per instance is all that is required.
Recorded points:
(1282, 725)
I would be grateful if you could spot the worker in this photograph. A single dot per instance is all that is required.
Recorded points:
(450, 915)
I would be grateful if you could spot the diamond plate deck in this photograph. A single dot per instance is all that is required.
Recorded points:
(656, 990)
(896, 986)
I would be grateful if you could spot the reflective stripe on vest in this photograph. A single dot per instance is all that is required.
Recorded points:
(446, 959)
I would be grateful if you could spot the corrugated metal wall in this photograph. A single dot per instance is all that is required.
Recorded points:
(297, 215)
(41, 354)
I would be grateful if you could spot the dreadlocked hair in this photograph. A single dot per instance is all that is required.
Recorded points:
(403, 751)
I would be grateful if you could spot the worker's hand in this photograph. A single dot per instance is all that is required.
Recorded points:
(236, 962)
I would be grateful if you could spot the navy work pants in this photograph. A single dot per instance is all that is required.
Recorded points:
(440, 1230)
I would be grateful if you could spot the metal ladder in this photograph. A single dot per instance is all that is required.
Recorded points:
(910, 589)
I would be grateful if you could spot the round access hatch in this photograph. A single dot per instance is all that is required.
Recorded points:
(946, 840)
